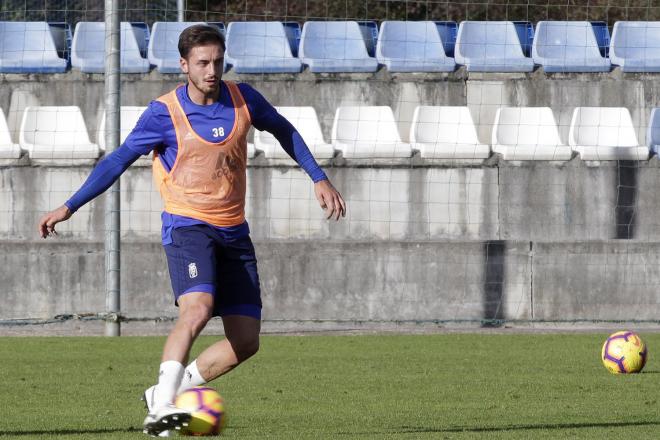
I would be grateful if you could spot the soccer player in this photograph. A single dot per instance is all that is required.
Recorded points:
(198, 135)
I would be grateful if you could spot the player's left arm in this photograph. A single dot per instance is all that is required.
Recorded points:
(265, 117)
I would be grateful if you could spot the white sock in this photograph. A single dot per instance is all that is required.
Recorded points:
(191, 378)
(169, 380)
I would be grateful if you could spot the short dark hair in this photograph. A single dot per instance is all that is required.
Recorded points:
(199, 35)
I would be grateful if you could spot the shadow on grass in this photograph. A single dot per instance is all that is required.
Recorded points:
(540, 426)
(47, 433)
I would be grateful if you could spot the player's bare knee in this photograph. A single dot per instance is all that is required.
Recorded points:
(196, 317)
(245, 348)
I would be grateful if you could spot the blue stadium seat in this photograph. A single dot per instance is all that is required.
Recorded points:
(568, 46)
(602, 33)
(335, 46)
(448, 31)
(29, 47)
(293, 31)
(369, 29)
(260, 47)
(88, 48)
(412, 46)
(163, 45)
(525, 31)
(635, 46)
(491, 46)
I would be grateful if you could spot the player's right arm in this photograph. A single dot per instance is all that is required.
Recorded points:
(146, 135)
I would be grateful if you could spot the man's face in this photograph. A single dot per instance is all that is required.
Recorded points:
(204, 67)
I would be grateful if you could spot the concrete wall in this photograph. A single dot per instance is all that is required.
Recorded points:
(423, 241)
(549, 202)
(543, 241)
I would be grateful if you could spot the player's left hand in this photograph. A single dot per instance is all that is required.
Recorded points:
(330, 199)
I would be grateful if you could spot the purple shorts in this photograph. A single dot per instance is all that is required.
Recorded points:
(201, 259)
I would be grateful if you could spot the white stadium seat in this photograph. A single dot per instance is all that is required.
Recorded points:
(8, 149)
(568, 46)
(163, 49)
(412, 46)
(368, 132)
(88, 48)
(528, 133)
(446, 132)
(491, 46)
(56, 136)
(260, 47)
(307, 123)
(335, 46)
(29, 47)
(605, 133)
(635, 46)
(129, 116)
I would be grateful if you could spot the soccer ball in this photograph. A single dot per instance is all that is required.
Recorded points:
(207, 408)
(624, 352)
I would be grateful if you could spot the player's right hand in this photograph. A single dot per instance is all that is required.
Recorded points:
(49, 220)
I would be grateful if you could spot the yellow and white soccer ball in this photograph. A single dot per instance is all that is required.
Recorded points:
(207, 408)
(624, 352)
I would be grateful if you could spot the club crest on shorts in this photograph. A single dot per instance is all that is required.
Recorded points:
(192, 270)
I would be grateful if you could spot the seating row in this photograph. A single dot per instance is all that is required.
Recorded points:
(52, 135)
(345, 46)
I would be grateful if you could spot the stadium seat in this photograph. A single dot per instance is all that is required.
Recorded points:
(163, 51)
(369, 30)
(605, 133)
(292, 30)
(19, 100)
(412, 46)
(8, 149)
(335, 46)
(444, 132)
(56, 136)
(528, 133)
(368, 132)
(448, 31)
(260, 47)
(525, 31)
(129, 116)
(568, 46)
(653, 131)
(490, 46)
(635, 46)
(307, 124)
(29, 47)
(88, 48)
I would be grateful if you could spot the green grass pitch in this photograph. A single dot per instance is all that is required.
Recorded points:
(453, 386)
